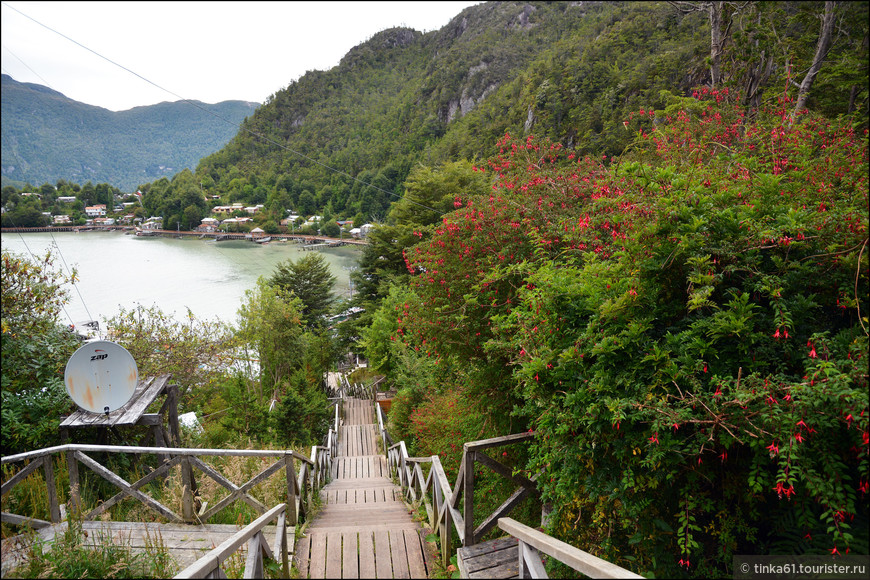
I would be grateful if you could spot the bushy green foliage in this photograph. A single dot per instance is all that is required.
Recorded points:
(303, 416)
(687, 323)
(35, 348)
(196, 353)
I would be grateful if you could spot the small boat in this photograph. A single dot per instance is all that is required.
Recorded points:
(265, 240)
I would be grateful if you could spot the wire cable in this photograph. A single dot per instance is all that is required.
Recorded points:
(217, 116)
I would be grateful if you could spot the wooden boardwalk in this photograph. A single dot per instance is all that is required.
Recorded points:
(364, 529)
(184, 543)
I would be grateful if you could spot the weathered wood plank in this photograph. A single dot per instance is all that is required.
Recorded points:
(366, 555)
(399, 555)
(383, 561)
(25, 471)
(126, 487)
(302, 556)
(583, 562)
(497, 441)
(333, 555)
(350, 557)
(416, 555)
(317, 556)
(494, 559)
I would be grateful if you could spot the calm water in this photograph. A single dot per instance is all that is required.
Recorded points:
(116, 270)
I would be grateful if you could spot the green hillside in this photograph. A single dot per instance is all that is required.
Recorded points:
(346, 139)
(48, 137)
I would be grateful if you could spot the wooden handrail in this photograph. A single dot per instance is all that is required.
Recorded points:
(144, 450)
(211, 562)
(532, 541)
(312, 475)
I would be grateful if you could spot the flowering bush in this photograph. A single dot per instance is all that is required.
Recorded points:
(685, 329)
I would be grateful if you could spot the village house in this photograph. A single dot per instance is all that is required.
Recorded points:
(67, 199)
(227, 209)
(94, 211)
(61, 220)
(208, 225)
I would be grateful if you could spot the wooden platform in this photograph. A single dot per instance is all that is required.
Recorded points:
(185, 543)
(364, 529)
(494, 559)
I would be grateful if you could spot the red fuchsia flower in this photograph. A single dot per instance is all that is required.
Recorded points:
(655, 439)
(773, 448)
(723, 456)
(813, 352)
(776, 334)
(799, 437)
(864, 488)
(685, 563)
(834, 551)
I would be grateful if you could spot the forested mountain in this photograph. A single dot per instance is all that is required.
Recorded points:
(48, 137)
(345, 139)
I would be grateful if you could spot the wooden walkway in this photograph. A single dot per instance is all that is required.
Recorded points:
(364, 529)
(184, 543)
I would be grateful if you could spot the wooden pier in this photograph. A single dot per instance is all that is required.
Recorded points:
(364, 529)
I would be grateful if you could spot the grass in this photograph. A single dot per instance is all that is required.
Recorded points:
(72, 555)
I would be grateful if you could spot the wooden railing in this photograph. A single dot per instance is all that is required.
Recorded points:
(442, 507)
(442, 502)
(209, 566)
(533, 542)
(302, 485)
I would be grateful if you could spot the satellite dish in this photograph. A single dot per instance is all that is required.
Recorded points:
(101, 376)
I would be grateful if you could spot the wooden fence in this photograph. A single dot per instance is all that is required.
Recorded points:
(303, 486)
(442, 504)
(209, 566)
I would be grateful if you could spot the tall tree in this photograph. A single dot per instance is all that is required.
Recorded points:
(310, 280)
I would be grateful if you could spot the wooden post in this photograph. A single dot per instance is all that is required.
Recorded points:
(292, 516)
(172, 401)
(159, 441)
(175, 434)
(468, 493)
(51, 486)
(72, 467)
(187, 497)
(446, 530)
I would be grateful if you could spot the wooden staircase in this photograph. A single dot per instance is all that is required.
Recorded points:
(363, 529)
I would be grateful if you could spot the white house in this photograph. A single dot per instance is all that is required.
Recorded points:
(60, 220)
(96, 210)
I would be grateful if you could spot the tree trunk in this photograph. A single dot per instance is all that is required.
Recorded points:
(716, 41)
(821, 52)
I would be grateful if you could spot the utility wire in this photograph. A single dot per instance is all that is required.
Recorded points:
(217, 116)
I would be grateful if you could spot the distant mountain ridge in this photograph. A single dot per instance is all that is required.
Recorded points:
(48, 136)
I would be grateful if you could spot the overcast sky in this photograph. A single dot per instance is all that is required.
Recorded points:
(206, 51)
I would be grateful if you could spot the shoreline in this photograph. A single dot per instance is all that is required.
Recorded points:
(308, 240)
